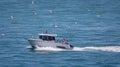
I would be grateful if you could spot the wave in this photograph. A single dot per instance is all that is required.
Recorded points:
(91, 48)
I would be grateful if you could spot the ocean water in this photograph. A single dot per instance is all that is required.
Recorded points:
(92, 26)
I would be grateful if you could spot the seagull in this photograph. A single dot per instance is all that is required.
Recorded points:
(55, 25)
(32, 2)
(35, 13)
(11, 17)
(50, 11)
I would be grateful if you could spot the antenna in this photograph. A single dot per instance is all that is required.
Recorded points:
(46, 31)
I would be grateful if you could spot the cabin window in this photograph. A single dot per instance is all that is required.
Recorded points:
(51, 38)
(40, 37)
(48, 38)
(44, 38)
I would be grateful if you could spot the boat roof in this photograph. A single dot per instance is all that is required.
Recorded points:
(53, 35)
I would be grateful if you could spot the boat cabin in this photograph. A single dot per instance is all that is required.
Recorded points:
(47, 37)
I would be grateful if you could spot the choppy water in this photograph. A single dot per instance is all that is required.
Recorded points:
(92, 26)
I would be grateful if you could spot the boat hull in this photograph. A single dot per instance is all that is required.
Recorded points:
(41, 43)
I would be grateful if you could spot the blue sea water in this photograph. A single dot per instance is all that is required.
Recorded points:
(92, 26)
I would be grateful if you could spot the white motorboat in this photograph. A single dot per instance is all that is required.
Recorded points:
(48, 40)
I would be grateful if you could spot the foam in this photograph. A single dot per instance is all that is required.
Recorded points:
(92, 48)
(105, 48)
(48, 49)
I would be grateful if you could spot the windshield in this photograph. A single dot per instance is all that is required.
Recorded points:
(48, 38)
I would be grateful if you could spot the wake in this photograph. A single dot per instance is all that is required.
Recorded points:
(104, 48)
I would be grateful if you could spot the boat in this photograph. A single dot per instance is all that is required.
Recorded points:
(49, 40)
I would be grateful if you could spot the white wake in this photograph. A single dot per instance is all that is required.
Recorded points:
(104, 48)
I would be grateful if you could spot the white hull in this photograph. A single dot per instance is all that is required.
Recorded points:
(41, 43)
